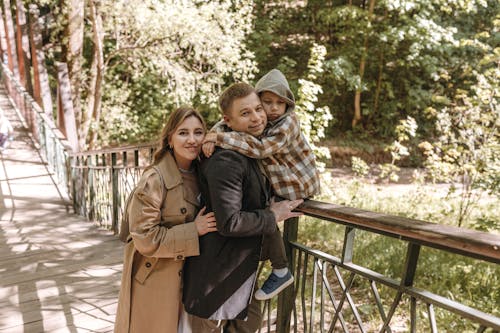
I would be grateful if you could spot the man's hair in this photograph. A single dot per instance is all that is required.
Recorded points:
(234, 91)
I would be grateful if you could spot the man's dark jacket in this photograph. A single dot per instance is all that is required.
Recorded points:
(218, 284)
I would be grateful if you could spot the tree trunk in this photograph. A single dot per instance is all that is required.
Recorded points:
(66, 114)
(41, 88)
(357, 98)
(380, 75)
(23, 47)
(3, 40)
(74, 33)
(97, 77)
(11, 40)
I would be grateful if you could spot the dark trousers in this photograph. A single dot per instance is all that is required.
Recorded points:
(273, 249)
(251, 325)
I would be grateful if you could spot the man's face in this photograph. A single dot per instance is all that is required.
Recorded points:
(247, 115)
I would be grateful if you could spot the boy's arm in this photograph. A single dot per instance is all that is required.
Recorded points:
(219, 127)
(276, 140)
(208, 146)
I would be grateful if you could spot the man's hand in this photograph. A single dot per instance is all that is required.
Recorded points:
(283, 210)
(208, 146)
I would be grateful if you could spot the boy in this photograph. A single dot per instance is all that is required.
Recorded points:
(285, 157)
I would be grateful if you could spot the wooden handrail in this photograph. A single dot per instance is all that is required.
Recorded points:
(472, 243)
(119, 149)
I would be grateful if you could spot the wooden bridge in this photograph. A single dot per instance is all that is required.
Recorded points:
(58, 272)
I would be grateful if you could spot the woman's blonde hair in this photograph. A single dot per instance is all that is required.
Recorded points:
(174, 120)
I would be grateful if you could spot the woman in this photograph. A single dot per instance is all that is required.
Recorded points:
(150, 294)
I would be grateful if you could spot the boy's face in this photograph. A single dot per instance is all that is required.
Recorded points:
(274, 105)
(247, 115)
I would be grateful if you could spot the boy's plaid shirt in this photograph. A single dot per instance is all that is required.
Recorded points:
(284, 153)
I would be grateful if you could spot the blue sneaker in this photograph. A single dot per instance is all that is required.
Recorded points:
(273, 286)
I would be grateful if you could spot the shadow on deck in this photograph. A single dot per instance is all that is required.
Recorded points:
(58, 272)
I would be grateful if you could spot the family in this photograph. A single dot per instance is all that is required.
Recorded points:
(197, 236)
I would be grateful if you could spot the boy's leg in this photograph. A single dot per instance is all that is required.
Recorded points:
(273, 249)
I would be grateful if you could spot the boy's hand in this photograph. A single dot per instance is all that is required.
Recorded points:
(208, 148)
(209, 144)
(210, 137)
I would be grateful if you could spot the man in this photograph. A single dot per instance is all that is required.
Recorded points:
(219, 284)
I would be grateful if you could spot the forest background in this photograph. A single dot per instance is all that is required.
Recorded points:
(380, 85)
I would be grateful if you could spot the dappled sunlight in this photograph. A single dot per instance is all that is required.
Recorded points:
(58, 271)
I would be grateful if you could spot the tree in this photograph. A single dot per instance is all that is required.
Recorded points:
(467, 147)
(357, 96)
(197, 46)
(135, 60)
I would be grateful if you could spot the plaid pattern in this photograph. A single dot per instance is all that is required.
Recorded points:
(284, 153)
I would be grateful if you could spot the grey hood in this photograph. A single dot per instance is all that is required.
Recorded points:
(276, 82)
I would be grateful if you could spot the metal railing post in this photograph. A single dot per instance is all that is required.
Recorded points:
(116, 193)
(286, 299)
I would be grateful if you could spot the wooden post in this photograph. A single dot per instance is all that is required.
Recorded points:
(41, 91)
(67, 122)
(286, 298)
(23, 48)
(11, 42)
(348, 248)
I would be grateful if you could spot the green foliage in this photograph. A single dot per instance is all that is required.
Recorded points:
(467, 147)
(313, 120)
(414, 49)
(359, 167)
(405, 131)
(158, 58)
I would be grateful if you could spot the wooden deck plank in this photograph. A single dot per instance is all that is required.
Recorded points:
(58, 272)
(26, 291)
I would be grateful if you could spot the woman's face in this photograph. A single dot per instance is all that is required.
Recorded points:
(186, 141)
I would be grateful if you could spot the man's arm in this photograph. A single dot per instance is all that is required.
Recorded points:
(276, 140)
(225, 176)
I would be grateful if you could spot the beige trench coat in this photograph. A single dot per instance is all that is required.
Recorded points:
(150, 293)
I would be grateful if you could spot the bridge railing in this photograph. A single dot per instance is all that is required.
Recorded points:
(326, 293)
(332, 290)
(52, 144)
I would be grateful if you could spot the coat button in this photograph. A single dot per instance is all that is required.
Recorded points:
(180, 272)
(183, 210)
(148, 264)
(179, 257)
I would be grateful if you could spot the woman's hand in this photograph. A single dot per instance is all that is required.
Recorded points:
(283, 209)
(205, 223)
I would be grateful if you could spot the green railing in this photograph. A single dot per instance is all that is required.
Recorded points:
(103, 179)
(332, 291)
